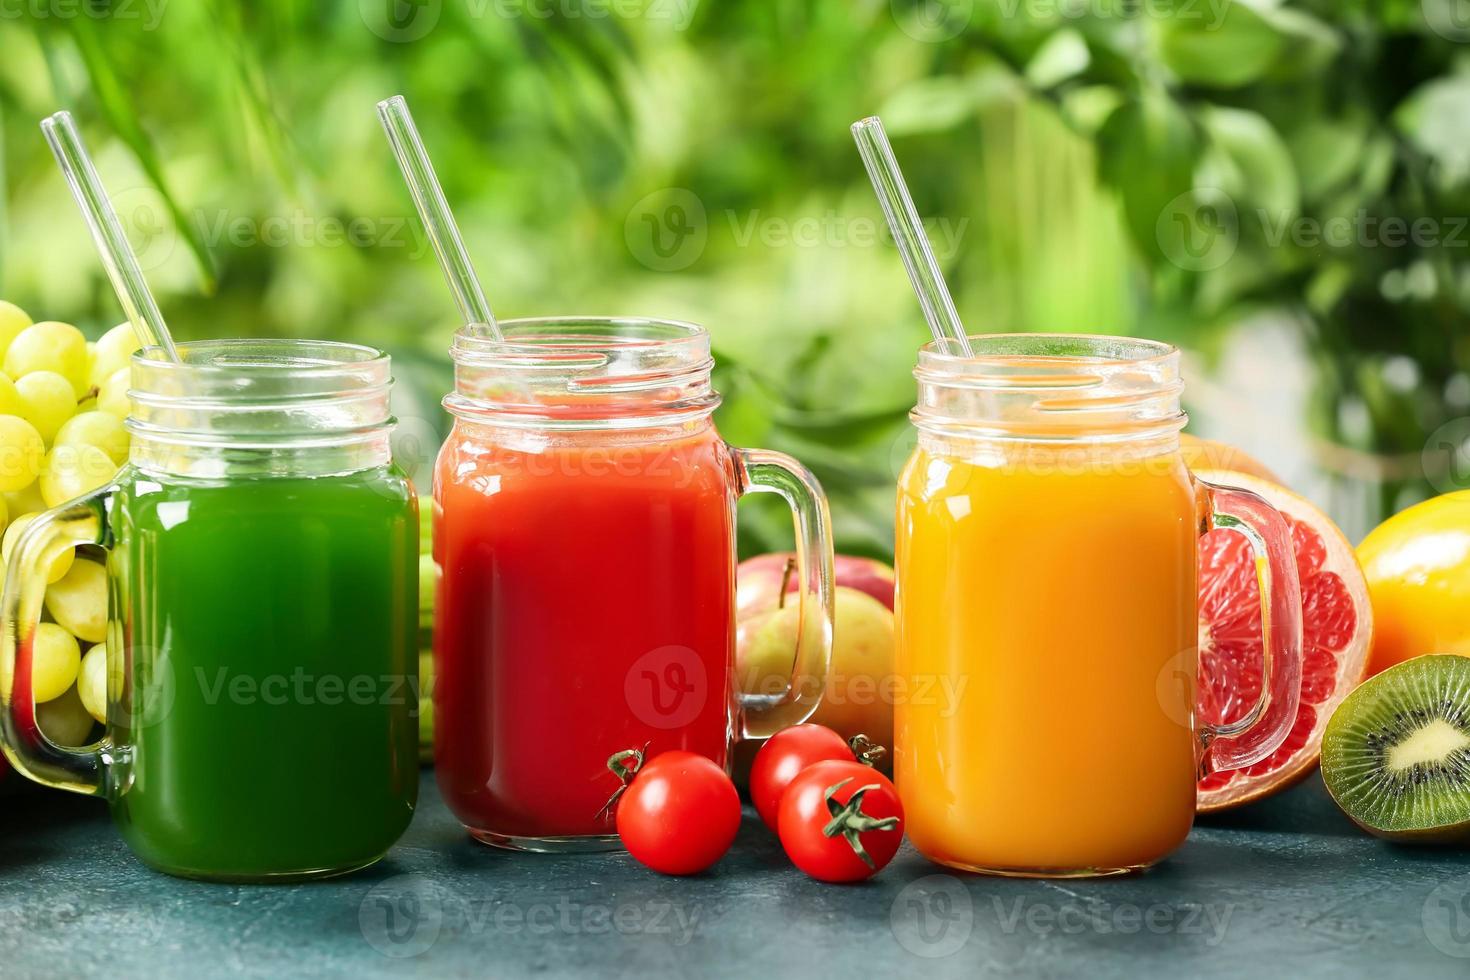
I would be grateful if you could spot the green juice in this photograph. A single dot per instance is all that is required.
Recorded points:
(267, 723)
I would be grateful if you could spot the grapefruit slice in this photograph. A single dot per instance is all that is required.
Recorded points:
(1207, 454)
(1337, 627)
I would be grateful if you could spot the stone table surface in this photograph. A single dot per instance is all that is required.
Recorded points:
(1284, 888)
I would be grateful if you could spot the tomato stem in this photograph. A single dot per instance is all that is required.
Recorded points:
(867, 751)
(849, 820)
(618, 765)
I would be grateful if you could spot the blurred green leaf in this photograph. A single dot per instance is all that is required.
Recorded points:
(1221, 47)
(1436, 120)
(1328, 286)
(1326, 151)
(842, 428)
(929, 105)
(1064, 55)
(1147, 150)
(1268, 176)
(1310, 46)
(1088, 107)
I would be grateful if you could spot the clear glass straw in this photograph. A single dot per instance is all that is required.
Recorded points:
(908, 234)
(107, 232)
(428, 197)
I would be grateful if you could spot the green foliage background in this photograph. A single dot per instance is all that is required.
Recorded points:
(1090, 165)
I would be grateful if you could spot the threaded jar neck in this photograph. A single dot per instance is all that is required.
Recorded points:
(1051, 389)
(565, 373)
(261, 408)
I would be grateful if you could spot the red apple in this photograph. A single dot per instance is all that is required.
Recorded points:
(858, 695)
(759, 579)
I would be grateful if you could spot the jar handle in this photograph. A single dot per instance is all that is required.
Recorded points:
(765, 471)
(30, 752)
(1262, 730)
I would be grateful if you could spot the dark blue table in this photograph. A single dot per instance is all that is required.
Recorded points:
(1285, 888)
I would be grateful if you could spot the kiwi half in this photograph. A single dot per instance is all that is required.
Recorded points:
(1396, 753)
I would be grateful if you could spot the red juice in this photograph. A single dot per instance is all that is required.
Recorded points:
(585, 605)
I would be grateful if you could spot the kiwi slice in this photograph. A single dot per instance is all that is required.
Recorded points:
(1396, 754)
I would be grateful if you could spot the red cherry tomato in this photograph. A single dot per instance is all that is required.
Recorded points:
(840, 821)
(679, 814)
(782, 759)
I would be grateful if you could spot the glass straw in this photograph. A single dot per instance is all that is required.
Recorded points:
(428, 197)
(908, 234)
(107, 232)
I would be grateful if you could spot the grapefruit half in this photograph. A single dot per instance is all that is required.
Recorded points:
(1208, 454)
(1337, 627)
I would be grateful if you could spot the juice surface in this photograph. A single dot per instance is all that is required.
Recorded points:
(585, 606)
(269, 626)
(1046, 647)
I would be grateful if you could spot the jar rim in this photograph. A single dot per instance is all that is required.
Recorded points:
(333, 357)
(583, 372)
(1006, 349)
(568, 340)
(1051, 387)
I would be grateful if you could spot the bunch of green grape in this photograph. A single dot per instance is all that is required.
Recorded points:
(62, 405)
(428, 577)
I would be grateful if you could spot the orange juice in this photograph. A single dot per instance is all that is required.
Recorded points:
(1048, 610)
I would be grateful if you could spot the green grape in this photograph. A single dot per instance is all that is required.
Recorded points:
(93, 680)
(55, 660)
(112, 353)
(27, 501)
(10, 403)
(47, 402)
(50, 346)
(78, 601)
(60, 561)
(13, 320)
(66, 720)
(426, 703)
(112, 398)
(22, 453)
(428, 578)
(70, 471)
(100, 429)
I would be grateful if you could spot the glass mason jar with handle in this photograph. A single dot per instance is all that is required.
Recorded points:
(1047, 610)
(585, 544)
(261, 552)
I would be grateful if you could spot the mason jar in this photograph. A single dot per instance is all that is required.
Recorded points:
(1048, 613)
(261, 556)
(584, 534)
